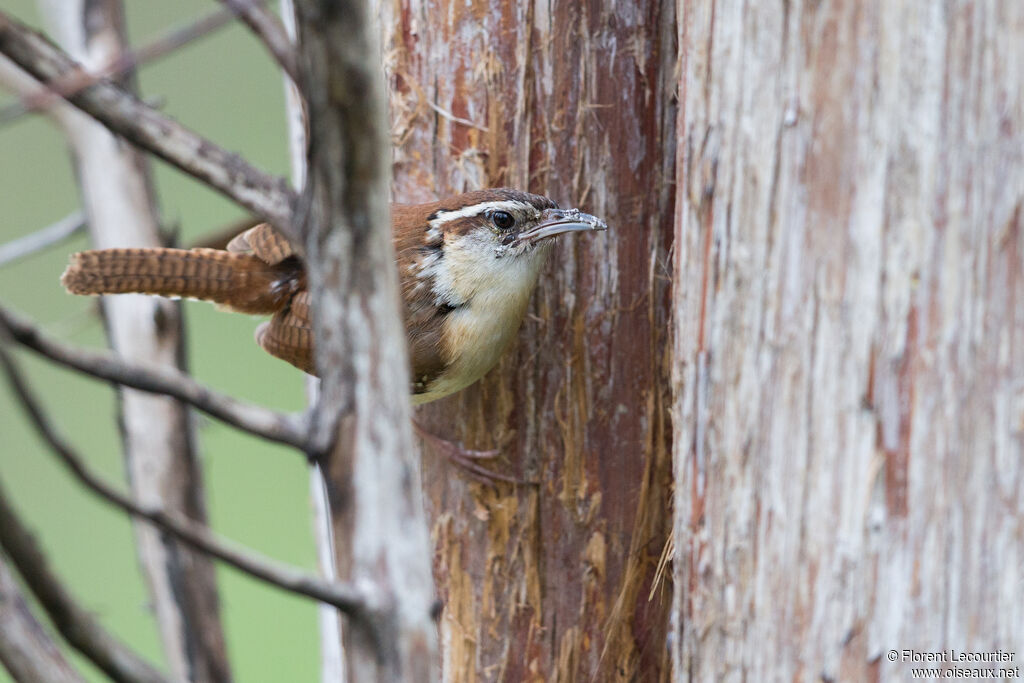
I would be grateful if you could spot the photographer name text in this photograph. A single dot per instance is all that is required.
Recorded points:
(953, 655)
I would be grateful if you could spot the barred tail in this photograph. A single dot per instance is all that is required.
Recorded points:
(289, 334)
(241, 282)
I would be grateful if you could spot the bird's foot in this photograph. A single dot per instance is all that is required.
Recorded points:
(465, 458)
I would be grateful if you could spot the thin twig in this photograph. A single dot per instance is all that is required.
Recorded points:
(71, 83)
(41, 239)
(445, 114)
(346, 598)
(78, 627)
(269, 30)
(219, 237)
(269, 424)
(266, 195)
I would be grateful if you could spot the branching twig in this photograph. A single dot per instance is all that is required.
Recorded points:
(265, 195)
(78, 627)
(270, 32)
(346, 598)
(269, 424)
(41, 239)
(73, 82)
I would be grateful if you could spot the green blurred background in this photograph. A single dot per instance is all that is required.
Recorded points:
(225, 87)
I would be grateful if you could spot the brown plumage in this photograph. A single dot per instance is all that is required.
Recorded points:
(464, 282)
(241, 282)
(258, 274)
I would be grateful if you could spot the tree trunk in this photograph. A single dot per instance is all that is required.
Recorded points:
(554, 581)
(849, 337)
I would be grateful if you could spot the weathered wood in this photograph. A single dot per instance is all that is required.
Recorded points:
(849, 336)
(332, 665)
(362, 422)
(79, 627)
(156, 431)
(26, 650)
(572, 100)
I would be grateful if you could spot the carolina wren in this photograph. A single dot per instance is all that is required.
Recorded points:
(467, 266)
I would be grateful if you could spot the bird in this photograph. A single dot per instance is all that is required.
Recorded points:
(467, 266)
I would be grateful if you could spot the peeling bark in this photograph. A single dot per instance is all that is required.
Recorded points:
(555, 581)
(849, 336)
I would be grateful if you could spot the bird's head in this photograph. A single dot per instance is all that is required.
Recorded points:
(469, 264)
(492, 243)
(504, 223)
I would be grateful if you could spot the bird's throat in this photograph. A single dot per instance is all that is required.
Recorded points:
(488, 299)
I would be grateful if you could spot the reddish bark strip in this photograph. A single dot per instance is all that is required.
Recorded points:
(575, 101)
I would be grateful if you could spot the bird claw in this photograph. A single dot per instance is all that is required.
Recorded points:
(466, 459)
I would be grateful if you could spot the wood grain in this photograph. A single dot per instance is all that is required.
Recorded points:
(574, 101)
(849, 336)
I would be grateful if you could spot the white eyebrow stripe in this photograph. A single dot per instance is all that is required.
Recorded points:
(510, 205)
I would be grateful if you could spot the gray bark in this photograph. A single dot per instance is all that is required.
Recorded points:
(27, 651)
(332, 658)
(849, 337)
(157, 433)
(363, 419)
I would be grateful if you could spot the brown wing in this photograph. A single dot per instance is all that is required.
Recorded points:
(263, 242)
(289, 334)
(423, 329)
(422, 317)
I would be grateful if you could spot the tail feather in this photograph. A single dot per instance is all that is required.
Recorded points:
(241, 282)
(289, 334)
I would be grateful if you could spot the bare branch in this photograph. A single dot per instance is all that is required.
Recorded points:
(14, 79)
(157, 436)
(68, 84)
(219, 237)
(265, 195)
(27, 650)
(75, 623)
(42, 238)
(357, 604)
(269, 30)
(371, 471)
(269, 424)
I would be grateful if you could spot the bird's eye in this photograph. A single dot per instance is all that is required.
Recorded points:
(503, 220)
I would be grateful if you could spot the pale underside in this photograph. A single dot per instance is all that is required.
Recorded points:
(490, 295)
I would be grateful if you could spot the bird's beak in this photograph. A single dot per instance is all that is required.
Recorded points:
(559, 221)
